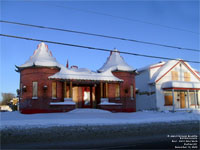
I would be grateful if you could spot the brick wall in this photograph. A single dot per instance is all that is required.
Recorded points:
(40, 75)
(129, 104)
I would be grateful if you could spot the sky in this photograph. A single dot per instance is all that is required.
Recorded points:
(84, 16)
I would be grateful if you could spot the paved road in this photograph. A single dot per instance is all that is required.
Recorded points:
(141, 136)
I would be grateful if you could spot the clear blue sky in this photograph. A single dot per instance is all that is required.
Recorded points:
(179, 14)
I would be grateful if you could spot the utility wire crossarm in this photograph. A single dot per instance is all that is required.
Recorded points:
(101, 35)
(91, 48)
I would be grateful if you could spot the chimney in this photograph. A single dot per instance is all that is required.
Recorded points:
(67, 65)
(74, 67)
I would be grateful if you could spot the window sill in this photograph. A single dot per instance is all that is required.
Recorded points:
(104, 100)
(67, 99)
(54, 98)
(34, 97)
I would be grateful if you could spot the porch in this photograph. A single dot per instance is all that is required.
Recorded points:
(87, 94)
(181, 95)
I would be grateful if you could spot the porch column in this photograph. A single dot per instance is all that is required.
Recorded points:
(91, 100)
(64, 90)
(101, 89)
(173, 99)
(70, 90)
(195, 98)
(188, 98)
(106, 90)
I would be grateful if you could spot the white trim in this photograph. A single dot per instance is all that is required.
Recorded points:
(180, 84)
(188, 98)
(34, 97)
(173, 99)
(195, 98)
(54, 98)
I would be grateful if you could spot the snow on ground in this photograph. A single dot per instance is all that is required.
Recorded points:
(79, 117)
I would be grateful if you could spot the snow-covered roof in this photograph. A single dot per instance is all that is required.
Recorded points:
(163, 70)
(181, 84)
(115, 62)
(166, 67)
(151, 66)
(84, 74)
(42, 56)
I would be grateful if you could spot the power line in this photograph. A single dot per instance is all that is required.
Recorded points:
(91, 48)
(100, 35)
(125, 18)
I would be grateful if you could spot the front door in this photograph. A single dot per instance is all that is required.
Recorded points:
(86, 96)
(182, 99)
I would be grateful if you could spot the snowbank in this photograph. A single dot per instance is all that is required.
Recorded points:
(79, 117)
(84, 110)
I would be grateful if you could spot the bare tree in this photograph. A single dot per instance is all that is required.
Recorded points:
(7, 97)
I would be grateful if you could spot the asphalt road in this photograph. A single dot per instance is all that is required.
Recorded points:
(132, 136)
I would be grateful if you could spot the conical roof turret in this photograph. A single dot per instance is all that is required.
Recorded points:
(115, 62)
(42, 56)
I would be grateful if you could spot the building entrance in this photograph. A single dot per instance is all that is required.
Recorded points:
(86, 97)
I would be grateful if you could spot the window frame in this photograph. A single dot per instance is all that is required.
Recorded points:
(174, 75)
(34, 90)
(54, 90)
(131, 92)
(168, 102)
(117, 91)
(187, 77)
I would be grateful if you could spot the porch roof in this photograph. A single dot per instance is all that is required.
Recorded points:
(84, 74)
(181, 85)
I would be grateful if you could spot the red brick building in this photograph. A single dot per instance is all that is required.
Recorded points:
(47, 86)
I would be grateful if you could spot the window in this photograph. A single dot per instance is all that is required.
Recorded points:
(66, 89)
(117, 91)
(35, 89)
(186, 76)
(104, 90)
(168, 99)
(54, 89)
(67, 92)
(174, 75)
(131, 88)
